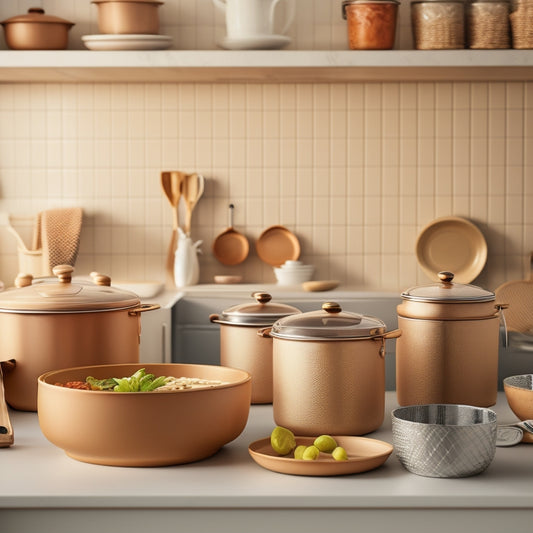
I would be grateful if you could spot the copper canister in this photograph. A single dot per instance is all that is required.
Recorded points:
(329, 372)
(448, 351)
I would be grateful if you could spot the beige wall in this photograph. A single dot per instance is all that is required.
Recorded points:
(355, 170)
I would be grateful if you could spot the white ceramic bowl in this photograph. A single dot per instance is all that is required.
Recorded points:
(288, 277)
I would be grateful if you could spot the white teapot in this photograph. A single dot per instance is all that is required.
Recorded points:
(186, 265)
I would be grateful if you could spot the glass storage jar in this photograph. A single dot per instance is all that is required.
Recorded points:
(438, 24)
(487, 23)
(521, 18)
(371, 23)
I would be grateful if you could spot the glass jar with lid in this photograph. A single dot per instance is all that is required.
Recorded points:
(438, 24)
(487, 23)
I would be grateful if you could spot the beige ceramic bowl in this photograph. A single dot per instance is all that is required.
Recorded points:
(519, 392)
(143, 428)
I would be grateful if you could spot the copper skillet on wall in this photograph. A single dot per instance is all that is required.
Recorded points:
(276, 245)
(231, 247)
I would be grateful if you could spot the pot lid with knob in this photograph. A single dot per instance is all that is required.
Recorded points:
(329, 323)
(37, 15)
(261, 312)
(448, 291)
(63, 295)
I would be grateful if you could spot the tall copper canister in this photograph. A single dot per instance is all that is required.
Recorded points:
(448, 350)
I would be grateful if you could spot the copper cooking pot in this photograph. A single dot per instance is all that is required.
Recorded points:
(448, 351)
(51, 324)
(36, 30)
(241, 347)
(329, 371)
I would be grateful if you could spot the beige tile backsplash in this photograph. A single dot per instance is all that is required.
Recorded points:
(355, 170)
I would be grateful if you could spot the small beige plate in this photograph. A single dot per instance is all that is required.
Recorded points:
(363, 454)
(316, 286)
(453, 244)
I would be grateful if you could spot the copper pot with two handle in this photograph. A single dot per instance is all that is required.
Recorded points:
(55, 323)
(448, 351)
(329, 371)
(241, 347)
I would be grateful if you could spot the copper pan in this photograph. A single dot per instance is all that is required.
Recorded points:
(276, 245)
(231, 247)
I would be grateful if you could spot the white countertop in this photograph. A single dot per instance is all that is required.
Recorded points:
(41, 487)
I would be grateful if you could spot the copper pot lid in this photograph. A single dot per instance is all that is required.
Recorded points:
(37, 14)
(155, 2)
(330, 323)
(64, 296)
(261, 312)
(448, 292)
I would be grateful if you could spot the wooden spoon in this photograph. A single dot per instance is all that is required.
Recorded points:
(172, 186)
(6, 430)
(192, 190)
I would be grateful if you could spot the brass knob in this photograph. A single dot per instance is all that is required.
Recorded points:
(63, 272)
(332, 307)
(102, 279)
(262, 297)
(23, 280)
(445, 276)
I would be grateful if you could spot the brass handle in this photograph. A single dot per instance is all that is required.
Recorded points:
(63, 272)
(445, 276)
(142, 308)
(213, 317)
(394, 334)
(264, 332)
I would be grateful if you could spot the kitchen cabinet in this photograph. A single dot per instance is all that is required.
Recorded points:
(294, 66)
(44, 490)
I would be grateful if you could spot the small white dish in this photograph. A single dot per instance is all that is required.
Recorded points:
(256, 42)
(107, 42)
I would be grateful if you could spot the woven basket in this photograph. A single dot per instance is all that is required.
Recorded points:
(522, 24)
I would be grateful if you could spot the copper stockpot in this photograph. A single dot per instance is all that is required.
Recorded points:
(448, 351)
(241, 347)
(128, 16)
(36, 31)
(53, 324)
(329, 371)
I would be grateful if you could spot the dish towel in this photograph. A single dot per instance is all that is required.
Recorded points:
(60, 236)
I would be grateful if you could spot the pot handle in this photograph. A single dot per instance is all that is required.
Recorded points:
(264, 332)
(387, 335)
(504, 333)
(6, 429)
(142, 308)
(394, 334)
(213, 318)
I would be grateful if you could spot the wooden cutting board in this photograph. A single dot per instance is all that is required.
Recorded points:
(519, 296)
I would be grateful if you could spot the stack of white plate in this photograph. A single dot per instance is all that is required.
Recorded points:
(293, 273)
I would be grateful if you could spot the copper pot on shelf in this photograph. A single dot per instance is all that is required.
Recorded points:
(36, 30)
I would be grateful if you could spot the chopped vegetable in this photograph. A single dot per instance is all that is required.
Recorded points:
(140, 381)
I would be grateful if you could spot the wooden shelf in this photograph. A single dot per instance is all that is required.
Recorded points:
(264, 66)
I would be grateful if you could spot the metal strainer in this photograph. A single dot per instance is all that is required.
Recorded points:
(444, 440)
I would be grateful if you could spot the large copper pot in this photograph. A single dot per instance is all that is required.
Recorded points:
(448, 351)
(53, 324)
(329, 371)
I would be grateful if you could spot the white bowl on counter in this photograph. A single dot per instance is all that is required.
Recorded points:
(293, 273)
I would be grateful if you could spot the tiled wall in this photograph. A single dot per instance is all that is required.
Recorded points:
(355, 170)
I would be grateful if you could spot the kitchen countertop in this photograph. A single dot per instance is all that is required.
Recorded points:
(42, 489)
